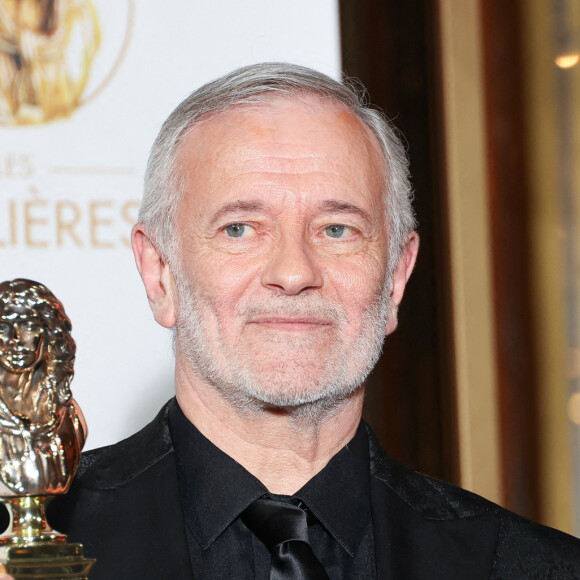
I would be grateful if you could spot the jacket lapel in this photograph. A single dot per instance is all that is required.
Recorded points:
(125, 508)
(422, 530)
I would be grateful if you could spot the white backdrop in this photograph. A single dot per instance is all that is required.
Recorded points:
(70, 188)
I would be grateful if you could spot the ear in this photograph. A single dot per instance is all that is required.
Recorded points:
(401, 275)
(156, 276)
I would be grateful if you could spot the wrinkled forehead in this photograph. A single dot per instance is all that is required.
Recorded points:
(323, 109)
(311, 133)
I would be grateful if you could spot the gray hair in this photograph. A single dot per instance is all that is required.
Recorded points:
(253, 85)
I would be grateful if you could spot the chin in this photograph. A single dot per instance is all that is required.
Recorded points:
(287, 392)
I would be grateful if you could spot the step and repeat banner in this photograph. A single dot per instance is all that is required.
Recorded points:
(84, 88)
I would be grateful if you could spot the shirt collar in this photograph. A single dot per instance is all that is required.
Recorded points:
(339, 495)
(215, 488)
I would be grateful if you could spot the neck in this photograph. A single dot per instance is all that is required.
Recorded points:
(283, 448)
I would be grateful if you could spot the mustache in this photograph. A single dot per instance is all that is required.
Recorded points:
(306, 307)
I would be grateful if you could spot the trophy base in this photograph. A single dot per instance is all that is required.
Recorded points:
(47, 561)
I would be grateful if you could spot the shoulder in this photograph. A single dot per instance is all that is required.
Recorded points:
(521, 548)
(117, 478)
(117, 465)
(432, 498)
(124, 507)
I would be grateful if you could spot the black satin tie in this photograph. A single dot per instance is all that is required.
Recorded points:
(283, 528)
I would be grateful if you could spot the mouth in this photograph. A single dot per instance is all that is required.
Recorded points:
(19, 356)
(290, 323)
(20, 352)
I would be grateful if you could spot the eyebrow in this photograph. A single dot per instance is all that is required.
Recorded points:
(255, 206)
(344, 207)
(238, 207)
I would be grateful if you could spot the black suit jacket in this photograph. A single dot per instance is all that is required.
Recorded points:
(125, 508)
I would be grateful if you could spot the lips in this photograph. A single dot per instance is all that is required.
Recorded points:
(19, 357)
(308, 314)
(289, 325)
(289, 320)
(20, 352)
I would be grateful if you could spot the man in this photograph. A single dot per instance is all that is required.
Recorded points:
(276, 237)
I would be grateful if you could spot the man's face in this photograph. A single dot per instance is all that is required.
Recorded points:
(283, 296)
(20, 340)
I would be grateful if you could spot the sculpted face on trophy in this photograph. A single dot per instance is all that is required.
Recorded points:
(20, 340)
(42, 430)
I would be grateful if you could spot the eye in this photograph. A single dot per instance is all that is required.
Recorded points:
(237, 230)
(338, 231)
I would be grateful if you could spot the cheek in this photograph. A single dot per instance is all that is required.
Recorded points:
(31, 340)
(359, 281)
(221, 284)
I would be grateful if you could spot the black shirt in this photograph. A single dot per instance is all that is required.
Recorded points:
(215, 490)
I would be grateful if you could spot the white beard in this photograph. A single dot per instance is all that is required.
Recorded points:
(267, 379)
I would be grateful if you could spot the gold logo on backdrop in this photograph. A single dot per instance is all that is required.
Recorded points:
(48, 49)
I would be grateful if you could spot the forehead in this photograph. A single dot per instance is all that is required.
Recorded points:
(17, 313)
(304, 137)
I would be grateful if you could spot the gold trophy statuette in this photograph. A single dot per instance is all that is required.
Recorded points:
(42, 431)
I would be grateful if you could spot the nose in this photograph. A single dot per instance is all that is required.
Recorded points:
(291, 267)
(16, 334)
